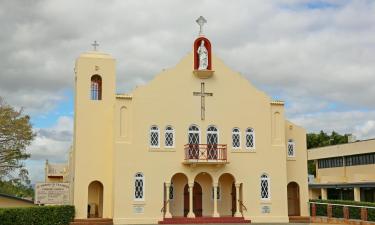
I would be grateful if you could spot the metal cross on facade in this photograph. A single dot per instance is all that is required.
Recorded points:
(203, 95)
(201, 21)
(95, 45)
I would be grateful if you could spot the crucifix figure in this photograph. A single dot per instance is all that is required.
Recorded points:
(203, 95)
(95, 45)
(201, 21)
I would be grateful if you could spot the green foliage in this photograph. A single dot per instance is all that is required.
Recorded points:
(15, 135)
(337, 211)
(354, 213)
(321, 210)
(371, 215)
(37, 215)
(322, 139)
(16, 188)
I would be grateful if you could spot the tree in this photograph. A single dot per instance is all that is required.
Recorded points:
(15, 135)
(321, 139)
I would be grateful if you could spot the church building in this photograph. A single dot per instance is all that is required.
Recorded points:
(197, 143)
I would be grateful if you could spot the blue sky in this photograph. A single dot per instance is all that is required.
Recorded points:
(317, 56)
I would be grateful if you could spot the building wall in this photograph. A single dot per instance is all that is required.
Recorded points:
(93, 131)
(168, 100)
(6, 202)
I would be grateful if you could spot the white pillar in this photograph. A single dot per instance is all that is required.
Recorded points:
(216, 214)
(238, 214)
(167, 213)
(357, 194)
(324, 193)
(191, 213)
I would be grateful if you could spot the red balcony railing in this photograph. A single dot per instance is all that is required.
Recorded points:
(206, 153)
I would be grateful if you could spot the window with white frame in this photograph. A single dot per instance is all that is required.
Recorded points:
(193, 135)
(236, 138)
(264, 187)
(291, 148)
(139, 185)
(218, 193)
(154, 137)
(250, 138)
(171, 192)
(169, 137)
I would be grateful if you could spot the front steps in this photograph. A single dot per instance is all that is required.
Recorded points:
(299, 219)
(200, 220)
(92, 221)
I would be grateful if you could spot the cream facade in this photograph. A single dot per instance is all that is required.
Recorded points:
(190, 143)
(345, 171)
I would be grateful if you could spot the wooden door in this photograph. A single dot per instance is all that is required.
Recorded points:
(293, 199)
(197, 200)
(186, 200)
(233, 194)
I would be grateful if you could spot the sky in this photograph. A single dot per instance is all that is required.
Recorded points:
(317, 56)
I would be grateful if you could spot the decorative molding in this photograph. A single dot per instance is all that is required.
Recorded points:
(203, 74)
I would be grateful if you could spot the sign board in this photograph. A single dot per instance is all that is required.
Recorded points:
(52, 193)
(266, 209)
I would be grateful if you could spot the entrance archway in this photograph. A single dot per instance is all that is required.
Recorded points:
(293, 199)
(176, 195)
(197, 200)
(95, 200)
(227, 203)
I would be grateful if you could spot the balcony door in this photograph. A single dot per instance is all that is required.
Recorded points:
(193, 137)
(212, 141)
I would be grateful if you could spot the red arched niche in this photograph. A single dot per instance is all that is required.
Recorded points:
(207, 44)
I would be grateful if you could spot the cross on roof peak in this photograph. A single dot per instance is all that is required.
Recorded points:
(95, 45)
(201, 21)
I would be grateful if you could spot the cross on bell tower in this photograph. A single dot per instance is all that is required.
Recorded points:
(95, 45)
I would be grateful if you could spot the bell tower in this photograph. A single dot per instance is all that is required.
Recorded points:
(93, 134)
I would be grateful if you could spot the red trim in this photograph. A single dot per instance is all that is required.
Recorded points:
(207, 44)
(205, 152)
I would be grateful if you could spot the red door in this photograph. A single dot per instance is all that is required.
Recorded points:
(197, 200)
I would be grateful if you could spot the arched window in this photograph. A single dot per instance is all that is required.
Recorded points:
(169, 137)
(193, 136)
(250, 138)
(212, 141)
(265, 187)
(96, 87)
(139, 187)
(291, 148)
(218, 192)
(236, 138)
(154, 137)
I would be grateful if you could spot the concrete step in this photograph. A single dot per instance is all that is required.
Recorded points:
(203, 220)
(92, 221)
(299, 219)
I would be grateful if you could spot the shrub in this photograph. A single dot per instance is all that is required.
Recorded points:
(321, 210)
(355, 213)
(371, 214)
(37, 215)
(337, 211)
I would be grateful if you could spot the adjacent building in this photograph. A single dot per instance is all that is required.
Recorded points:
(345, 171)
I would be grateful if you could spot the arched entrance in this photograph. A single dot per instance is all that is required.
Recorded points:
(227, 204)
(197, 200)
(176, 195)
(95, 200)
(293, 199)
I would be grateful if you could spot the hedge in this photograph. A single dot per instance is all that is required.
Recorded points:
(37, 215)
(354, 212)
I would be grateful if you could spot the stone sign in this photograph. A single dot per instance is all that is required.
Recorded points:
(52, 193)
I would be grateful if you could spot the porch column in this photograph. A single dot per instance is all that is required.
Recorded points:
(324, 193)
(191, 213)
(357, 194)
(167, 213)
(216, 214)
(238, 214)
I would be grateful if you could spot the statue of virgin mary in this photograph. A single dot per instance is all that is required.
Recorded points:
(203, 56)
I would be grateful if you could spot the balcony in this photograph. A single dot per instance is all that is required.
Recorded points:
(205, 154)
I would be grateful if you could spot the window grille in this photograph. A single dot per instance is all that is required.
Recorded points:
(154, 137)
(212, 141)
(250, 139)
(139, 187)
(169, 136)
(291, 148)
(236, 138)
(265, 187)
(218, 196)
